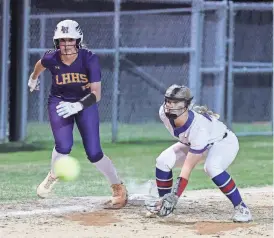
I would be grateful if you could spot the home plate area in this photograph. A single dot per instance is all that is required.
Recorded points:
(201, 213)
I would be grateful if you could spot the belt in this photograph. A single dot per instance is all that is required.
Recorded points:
(188, 144)
(224, 136)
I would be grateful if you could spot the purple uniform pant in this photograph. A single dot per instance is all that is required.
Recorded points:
(87, 122)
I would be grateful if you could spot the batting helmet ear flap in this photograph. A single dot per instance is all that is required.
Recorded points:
(78, 44)
(188, 102)
(56, 44)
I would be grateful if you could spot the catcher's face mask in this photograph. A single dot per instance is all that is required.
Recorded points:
(177, 101)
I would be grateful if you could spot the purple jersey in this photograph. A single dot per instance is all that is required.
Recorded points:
(72, 82)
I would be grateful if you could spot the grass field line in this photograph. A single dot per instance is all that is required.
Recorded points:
(55, 206)
(91, 203)
(47, 211)
(52, 206)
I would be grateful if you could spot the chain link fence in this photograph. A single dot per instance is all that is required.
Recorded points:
(221, 51)
(250, 72)
(213, 47)
(141, 74)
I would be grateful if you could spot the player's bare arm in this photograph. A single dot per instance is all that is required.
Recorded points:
(95, 88)
(191, 161)
(33, 82)
(38, 69)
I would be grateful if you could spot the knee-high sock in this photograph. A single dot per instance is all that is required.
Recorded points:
(106, 167)
(227, 185)
(164, 181)
(54, 157)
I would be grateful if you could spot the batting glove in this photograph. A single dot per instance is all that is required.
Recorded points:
(33, 83)
(66, 109)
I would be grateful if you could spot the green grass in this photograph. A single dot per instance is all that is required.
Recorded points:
(252, 127)
(132, 133)
(126, 132)
(23, 166)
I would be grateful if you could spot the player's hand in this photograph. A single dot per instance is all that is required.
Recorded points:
(66, 109)
(33, 84)
(163, 206)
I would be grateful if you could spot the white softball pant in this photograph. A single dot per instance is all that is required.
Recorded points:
(217, 158)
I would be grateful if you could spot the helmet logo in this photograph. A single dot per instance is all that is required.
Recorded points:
(79, 30)
(64, 29)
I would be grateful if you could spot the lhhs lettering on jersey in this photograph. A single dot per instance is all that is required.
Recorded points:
(71, 78)
(72, 82)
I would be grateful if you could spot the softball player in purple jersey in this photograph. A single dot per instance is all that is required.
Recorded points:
(75, 92)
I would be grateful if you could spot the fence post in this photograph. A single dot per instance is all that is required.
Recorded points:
(197, 20)
(19, 70)
(4, 69)
(42, 76)
(116, 71)
(230, 78)
(220, 59)
(272, 110)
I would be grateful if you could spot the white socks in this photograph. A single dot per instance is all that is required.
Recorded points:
(54, 157)
(106, 167)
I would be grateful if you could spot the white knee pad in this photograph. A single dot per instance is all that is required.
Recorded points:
(166, 160)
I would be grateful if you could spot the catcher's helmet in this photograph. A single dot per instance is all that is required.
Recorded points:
(177, 100)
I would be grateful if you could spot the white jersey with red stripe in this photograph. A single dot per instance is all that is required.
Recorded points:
(199, 131)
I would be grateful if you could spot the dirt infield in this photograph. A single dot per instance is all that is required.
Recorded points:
(203, 213)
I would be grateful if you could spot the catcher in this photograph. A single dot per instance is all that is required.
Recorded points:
(201, 135)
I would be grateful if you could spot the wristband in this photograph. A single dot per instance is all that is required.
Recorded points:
(88, 100)
(180, 186)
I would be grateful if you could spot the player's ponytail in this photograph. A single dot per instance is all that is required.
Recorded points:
(205, 110)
